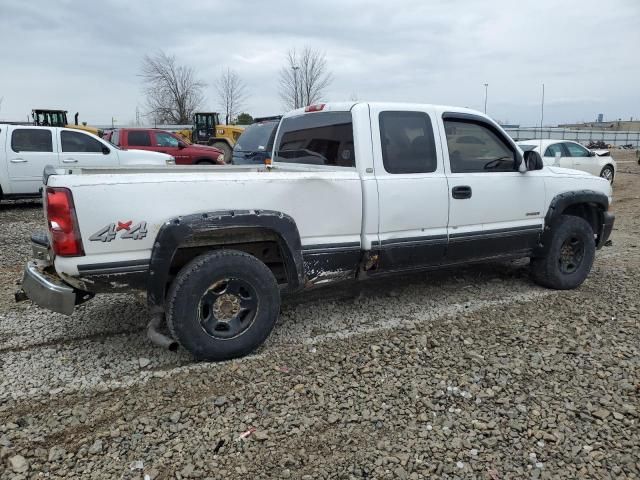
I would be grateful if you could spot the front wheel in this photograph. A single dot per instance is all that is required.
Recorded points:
(607, 173)
(223, 305)
(569, 255)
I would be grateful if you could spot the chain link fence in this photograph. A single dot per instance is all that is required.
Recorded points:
(583, 136)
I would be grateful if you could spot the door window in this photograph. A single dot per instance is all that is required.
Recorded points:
(324, 138)
(407, 140)
(79, 143)
(474, 147)
(139, 138)
(576, 150)
(553, 149)
(31, 140)
(166, 140)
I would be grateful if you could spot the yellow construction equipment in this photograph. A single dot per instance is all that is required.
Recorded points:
(208, 130)
(58, 118)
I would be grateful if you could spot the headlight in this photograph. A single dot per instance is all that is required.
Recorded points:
(171, 161)
(221, 158)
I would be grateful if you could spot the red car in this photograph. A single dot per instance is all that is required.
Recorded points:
(184, 152)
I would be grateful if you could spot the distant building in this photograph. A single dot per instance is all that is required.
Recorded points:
(509, 125)
(600, 117)
(616, 126)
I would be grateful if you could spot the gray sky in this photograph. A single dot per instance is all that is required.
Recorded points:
(85, 56)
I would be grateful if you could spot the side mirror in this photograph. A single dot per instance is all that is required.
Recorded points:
(533, 160)
(105, 150)
(182, 145)
(592, 153)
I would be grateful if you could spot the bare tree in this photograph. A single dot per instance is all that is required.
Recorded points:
(304, 78)
(172, 91)
(232, 93)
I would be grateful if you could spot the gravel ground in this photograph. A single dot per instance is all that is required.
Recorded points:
(472, 373)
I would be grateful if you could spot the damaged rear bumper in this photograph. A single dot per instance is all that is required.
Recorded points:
(44, 288)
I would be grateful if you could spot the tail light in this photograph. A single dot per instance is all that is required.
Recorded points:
(314, 108)
(63, 223)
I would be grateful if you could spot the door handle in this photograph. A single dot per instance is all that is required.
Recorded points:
(69, 160)
(461, 191)
(18, 160)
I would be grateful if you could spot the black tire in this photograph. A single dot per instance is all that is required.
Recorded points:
(225, 148)
(204, 162)
(198, 300)
(607, 173)
(569, 255)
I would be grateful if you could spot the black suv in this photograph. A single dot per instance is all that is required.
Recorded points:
(256, 142)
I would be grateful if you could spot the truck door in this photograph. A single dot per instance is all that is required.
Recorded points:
(29, 150)
(412, 188)
(85, 150)
(494, 209)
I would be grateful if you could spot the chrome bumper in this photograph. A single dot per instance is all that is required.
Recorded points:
(47, 290)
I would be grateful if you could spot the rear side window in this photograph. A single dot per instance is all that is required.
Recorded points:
(324, 138)
(31, 140)
(139, 138)
(407, 140)
(79, 143)
(475, 147)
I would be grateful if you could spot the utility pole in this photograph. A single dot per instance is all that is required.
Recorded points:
(542, 111)
(295, 86)
(486, 91)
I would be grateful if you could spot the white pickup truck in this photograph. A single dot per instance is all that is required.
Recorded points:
(355, 191)
(25, 150)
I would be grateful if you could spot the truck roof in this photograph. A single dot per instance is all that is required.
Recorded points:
(347, 106)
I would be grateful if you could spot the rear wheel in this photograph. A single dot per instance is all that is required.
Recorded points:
(223, 305)
(225, 149)
(607, 173)
(569, 255)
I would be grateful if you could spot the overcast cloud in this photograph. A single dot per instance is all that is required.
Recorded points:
(85, 56)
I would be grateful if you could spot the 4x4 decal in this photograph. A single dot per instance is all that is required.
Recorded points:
(110, 232)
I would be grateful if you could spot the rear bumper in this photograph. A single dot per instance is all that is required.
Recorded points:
(47, 290)
(607, 227)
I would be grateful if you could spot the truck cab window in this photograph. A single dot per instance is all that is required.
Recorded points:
(79, 143)
(474, 147)
(31, 140)
(322, 138)
(166, 140)
(139, 138)
(408, 145)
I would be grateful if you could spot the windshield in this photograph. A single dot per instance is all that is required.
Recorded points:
(256, 137)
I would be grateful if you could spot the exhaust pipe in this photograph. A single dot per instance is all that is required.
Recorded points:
(156, 336)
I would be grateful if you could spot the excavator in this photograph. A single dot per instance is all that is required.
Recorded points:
(208, 130)
(58, 118)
